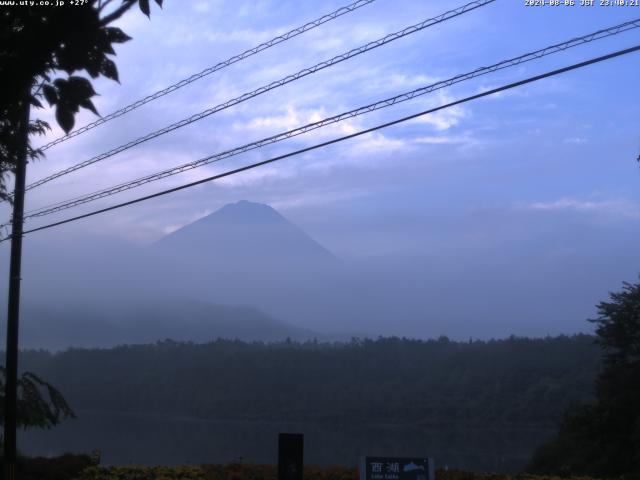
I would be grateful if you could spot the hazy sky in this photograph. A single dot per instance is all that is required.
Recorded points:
(542, 176)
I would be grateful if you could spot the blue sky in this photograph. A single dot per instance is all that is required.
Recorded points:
(544, 173)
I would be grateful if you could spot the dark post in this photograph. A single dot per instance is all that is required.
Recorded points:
(290, 456)
(13, 314)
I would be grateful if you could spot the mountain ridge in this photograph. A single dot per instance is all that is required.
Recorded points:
(179, 319)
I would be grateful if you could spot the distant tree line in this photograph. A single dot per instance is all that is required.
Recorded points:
(516, 381)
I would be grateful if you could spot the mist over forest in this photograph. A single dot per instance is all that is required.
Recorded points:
(247, 272)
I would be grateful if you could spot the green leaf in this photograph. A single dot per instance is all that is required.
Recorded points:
(38, 126)
(50, 94)
(64, 115)
(144, 6)
(81, 87)
(108, 69)
(69, 95)
(103, 45)
(88, 104)
(92, 64)
(115, 35)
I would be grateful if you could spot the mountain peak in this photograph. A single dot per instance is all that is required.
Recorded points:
(246, 229)
(245, 211)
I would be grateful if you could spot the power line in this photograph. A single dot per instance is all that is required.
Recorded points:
(341, 139)
(208, 71)
(69, 203)
(273, 85)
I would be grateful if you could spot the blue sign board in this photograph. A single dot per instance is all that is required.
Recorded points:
(396, 468)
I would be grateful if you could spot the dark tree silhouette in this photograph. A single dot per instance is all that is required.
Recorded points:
(40, 404)
(603, 439)
(40, 50)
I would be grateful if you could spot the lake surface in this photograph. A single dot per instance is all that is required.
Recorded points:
(150, 440)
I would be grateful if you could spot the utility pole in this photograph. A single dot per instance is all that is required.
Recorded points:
(13, 314)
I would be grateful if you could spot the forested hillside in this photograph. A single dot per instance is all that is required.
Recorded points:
(515, 381)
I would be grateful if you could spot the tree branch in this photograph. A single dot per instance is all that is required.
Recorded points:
(121, 10)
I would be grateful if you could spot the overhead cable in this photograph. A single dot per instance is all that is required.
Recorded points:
(341, 139)
(271, 86)
(208, 71)
(69, 203)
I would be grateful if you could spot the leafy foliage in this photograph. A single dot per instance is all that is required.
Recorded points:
(235, 471)
(603, 438)
(64, 467)
(38, 43)
(39, 403)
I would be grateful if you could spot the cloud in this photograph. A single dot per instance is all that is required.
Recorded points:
(201, 7)
(514, 92)
(327, 44)
(442, 120)
(442, 139)
(290, 119)
(249, 37)
(575, 140)
(381, 80)
(377, 143)
(257, 177)
(316, 198)
(621, 208)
